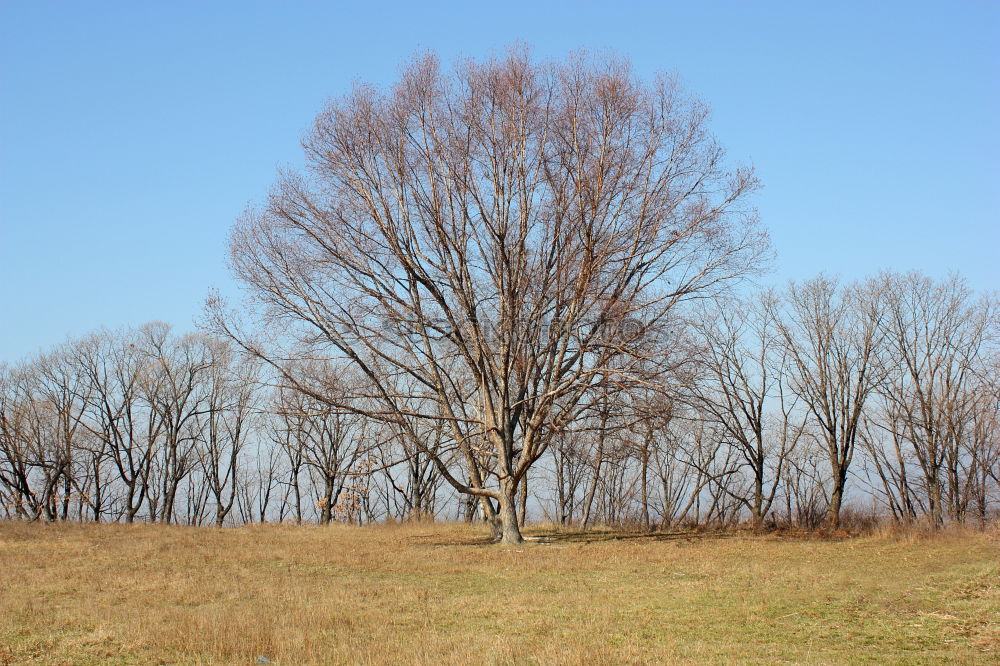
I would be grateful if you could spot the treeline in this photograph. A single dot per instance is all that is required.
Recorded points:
(779, 408)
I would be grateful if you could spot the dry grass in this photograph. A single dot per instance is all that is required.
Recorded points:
(437, 594)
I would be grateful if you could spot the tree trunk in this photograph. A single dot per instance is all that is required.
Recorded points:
(67, 489)
(935, 500)
(757, 513)
(592, 489)
(326, 513)
(490, 517)
(470, 508)
(510, 532)
(645, 485)
(522, 514)
(839, 474)
(836, 500)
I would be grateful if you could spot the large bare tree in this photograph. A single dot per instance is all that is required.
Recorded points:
(476, 244)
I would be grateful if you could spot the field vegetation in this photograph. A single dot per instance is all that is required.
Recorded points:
(440, 593)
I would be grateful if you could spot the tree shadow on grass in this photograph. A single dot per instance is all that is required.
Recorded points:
(542, 535)
(598, 536)
(554, 537)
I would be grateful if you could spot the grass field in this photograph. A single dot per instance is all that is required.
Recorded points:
(77, 594)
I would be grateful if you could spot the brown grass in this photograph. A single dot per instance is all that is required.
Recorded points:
(437, 594)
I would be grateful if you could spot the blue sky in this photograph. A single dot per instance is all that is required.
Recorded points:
(133, 133)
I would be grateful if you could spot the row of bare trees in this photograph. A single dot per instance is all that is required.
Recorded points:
(776, 408)
(114, 425)
(506, 289)
(147, 425)
(884, 391)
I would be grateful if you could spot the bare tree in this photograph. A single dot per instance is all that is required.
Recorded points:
(831, 335)
(466, 242)
(117, 371)
(806, 486)
(330, 440)
(889, 459)
(229, 421)
(175, 393)
(936, 337)
(416, 492)
(17, 462)
(742, 362)
(983, 443)
(605, 422)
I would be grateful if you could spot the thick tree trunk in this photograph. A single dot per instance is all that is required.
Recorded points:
(838, 470)
(510, 532)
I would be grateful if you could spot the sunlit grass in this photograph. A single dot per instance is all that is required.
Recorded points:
(437, 594)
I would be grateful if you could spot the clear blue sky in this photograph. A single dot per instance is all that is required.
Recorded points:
(133, 133)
